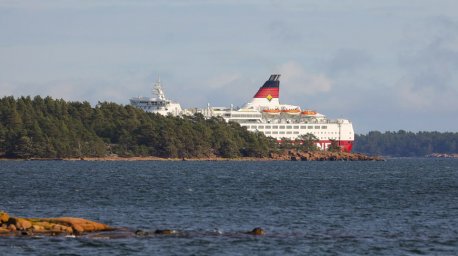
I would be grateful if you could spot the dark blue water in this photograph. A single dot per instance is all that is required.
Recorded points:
(397, 207)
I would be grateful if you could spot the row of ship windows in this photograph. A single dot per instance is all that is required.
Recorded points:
(288, 127)
(269, 132)
(319, 137)
(275, 132)
(283, 132)
(153, 103)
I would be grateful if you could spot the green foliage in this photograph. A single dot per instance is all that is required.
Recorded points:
(49, 128)
(404, 143)
(307, 142)
(334, 147)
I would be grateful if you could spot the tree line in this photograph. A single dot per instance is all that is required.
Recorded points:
(53, 128)
(406, 144)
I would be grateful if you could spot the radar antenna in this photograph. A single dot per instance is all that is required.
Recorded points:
(157, 90)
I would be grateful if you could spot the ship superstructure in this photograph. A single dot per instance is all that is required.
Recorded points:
(265, 114)
(158, 103)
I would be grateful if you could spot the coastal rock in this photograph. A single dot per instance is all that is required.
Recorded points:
(140, 232)
(77, 224)
(257, 232)
(442, 155)
(38, 228)
(26, 233)
(67, 225)
(21, 223)
(294, 155)
(4, 217)
(165, 231)
(12, 228)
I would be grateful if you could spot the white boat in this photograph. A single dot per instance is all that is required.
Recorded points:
(158, 104)
(265, 114)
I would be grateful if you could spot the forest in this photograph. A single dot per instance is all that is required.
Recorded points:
(406, 144)
(53, 128)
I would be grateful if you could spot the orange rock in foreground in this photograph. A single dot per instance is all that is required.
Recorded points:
(78, 224)
(66, 225)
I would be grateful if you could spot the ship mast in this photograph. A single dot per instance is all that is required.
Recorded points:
(157, 90)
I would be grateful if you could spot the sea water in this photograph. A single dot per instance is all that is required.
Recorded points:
(395, 207)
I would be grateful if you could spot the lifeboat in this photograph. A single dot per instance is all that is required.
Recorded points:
(308, 113)
(271, 111)
(291, 111)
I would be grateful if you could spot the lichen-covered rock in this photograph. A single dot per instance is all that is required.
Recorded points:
(4, 217)
(294, 155)
(78, 224)
(21, 223)
(59, 228)
(67, 225)
(12, 227)
(38, 228)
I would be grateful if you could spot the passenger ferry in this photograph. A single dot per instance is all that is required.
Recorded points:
(263, 113)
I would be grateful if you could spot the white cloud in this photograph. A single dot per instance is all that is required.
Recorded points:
(430, 81)
(347, 60)
(222, 80)
(301, 82)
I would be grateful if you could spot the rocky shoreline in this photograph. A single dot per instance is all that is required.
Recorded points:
(49, 226)
(70, 226)
(287, 155)
(442, 155)
(294, 155)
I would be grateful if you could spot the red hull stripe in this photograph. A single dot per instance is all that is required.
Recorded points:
(345, 145)
(264, 92)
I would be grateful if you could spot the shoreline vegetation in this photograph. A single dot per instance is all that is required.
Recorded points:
(49, 129)
(284, 156)
(52, 129)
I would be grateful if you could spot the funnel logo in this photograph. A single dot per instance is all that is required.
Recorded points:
(269, 97)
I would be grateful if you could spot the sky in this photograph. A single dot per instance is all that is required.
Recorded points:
(385, 65)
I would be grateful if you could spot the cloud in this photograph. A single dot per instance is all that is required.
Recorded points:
(347, 60)
(300, 82)
(430, 79)
(222, 80)
(285, 33)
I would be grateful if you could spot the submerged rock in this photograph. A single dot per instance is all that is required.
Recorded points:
(165, 232)
(141, 233)
(257, 232)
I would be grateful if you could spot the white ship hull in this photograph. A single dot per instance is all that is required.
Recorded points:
(265, 114)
